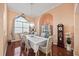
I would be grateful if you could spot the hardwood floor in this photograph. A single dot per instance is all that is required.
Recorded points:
(56, 51)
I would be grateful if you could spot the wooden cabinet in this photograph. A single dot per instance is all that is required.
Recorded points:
(60, 30)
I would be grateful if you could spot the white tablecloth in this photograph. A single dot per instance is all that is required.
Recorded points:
(36, 41)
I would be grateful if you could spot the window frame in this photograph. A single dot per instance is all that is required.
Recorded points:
(27, 22)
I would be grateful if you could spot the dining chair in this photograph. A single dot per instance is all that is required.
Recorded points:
(16, 37)
(27, 44)
(36, 34)
(21, 37)
(47, 48)
(42, 34)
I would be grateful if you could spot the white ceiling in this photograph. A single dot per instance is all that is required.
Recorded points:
(32, 9)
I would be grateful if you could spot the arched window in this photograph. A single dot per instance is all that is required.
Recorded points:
(21, 25)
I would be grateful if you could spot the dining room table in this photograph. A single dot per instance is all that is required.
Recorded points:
(36, 42)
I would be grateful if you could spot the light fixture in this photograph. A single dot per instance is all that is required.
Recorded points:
(31, 8)
(31, 24)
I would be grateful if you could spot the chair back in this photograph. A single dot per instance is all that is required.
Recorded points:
(49, 42)
(42, 34)
(27, 43)
(17, 36)
(21, 37)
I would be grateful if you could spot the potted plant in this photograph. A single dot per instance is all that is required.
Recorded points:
(68, 42)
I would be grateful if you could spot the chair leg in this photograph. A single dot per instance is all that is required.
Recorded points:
(50, 53)
(46, 54)
(27, 52)
(25, 48)
(38, 53)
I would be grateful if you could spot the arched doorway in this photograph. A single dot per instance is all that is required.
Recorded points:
(46, 19)
(46, 24)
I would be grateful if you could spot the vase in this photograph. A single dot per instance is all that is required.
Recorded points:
(68, 47)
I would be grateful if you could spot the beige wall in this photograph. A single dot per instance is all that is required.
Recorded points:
(3, 29)
(10, 18)
(76, 41)
(62, 14)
